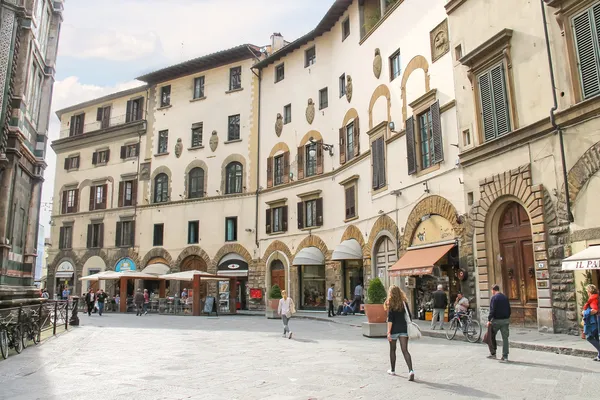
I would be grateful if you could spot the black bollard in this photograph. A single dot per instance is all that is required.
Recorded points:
(74, 321)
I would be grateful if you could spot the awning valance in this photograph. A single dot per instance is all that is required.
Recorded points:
(585, 259)
(347, 250)
(419, 261)
(233, 267)
(309, 256)
(156, 269)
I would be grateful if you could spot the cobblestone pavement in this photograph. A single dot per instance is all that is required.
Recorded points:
(243, 357)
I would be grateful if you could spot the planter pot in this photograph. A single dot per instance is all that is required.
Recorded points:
(273, 304)
(375, 313)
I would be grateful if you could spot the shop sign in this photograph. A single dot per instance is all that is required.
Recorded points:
(125, 264)
(233, 266)
(434, 229)
(65, 266)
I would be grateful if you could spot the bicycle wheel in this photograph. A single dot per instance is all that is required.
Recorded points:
(451, 331)
(473, 331)
(25, 335)
(36, 335)
(17, 339)
(3, 344)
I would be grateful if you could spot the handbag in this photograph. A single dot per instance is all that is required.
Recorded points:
(413, 330)
(292, 307)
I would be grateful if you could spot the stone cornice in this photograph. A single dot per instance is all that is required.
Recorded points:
(489, 48)
(453, 5)
(102, 136)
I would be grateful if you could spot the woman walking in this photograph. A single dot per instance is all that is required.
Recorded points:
(591, 320)
(285, 310)
(397, 309)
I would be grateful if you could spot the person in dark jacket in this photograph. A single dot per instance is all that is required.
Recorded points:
(138, 300)
(499, 319)
(101, 299)
(440, 304)
(396, 306)
(90, 299)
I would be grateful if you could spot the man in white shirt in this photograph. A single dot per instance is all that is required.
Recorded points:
(330, 312)
(461, 305)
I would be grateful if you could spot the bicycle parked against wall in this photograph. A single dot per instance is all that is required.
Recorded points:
(10, 337)
(30, 328)
(469, 327)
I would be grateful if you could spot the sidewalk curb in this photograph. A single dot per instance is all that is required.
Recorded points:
(568, 351)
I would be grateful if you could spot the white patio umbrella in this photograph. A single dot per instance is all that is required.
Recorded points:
(585, 259)
(189, 276)
(95, 277)
(127, 274)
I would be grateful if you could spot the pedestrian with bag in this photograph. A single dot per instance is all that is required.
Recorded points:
(90, 299)
(398, 322)
(286, 309)
(498, 320)
(138, 300)
(591, 319)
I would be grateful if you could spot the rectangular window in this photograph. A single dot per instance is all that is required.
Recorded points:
(233, 131)
(135, 110)
(193, 232)
(342, 82)
(95, 233)
(72, 163)
(395, 65)
(125, 232)
(425, 138)
(311, 213)
(102, 157)
(287, 114)
(586, 27)
(279, 73)
(163, 141)
(235, 78)
(350, 196)
(311, 159)
(278, 161)
(278, 219)
(199, 87)
(310, 57)
(76, 127)
(98, 197)
(69, 201)
(378, 163)
(131, 150)
(197, 134)
(159, 230)
(345, 28)
(230, 229)
(323, 98)
(349, 141)
(495, 112)
(466, 138)
(103, 116)
(128, 193)
(165, 96)
(66, 237)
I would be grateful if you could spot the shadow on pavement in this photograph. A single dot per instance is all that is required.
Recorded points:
(304, 340)
(546, 366)
(458, 389)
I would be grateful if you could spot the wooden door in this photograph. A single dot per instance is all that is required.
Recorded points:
(518, 266)
(385, 257)
(278, 274)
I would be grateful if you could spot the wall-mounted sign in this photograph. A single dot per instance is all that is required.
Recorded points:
(432, 230)
(233, 266)
(543, 284)
(542, 265)
(542, 274)
(125, 264)
(65, 266)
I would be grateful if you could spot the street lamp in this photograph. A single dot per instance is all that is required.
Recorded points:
(327, 147)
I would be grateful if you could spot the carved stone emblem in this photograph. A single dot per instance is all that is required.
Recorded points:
(348, 88)
(310, 111)
(377, 64)
(178, 148)
(145, 171)
(279, 125)
(440, 44)
(214, 141)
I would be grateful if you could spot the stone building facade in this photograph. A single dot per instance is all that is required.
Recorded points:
(29, 31)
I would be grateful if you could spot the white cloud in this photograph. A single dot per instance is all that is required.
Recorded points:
(109, 44)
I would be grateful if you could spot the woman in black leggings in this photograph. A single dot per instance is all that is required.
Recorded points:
(396, 306)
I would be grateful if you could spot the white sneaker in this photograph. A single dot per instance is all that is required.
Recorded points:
(390, 372)
(411, 376)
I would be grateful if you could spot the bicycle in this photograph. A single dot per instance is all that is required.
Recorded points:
(10, 337)
(470, 328)
(30, 329)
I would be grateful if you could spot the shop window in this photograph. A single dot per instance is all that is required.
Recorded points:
(95, 236)
(310, 57)
(70, 201)
(197, 134)
(101, 157)
(72, 163)
(193, 232)
(279, 73)
(310, 213)
(233, 180)
(349, 141)
(276, 219)
(65, 240)
(127, 193)
(98, 195)
(125, 234)
(199, 87)
(163, 142)
(158, 236)
(165, 96)
(313, 289)
(231, 229)
(323, 98)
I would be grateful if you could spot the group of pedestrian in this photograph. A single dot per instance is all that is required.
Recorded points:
(95, 300)
(141, 301)
(347, 307)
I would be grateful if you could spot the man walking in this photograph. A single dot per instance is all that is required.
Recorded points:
(330, 312)
(440, 303)
(101, 299)
(146, 301)
(90, 299)
(358, 294)
(499, 319)
(138, 300)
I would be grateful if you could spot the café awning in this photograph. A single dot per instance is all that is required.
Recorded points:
(127, 274)
(309, 256)
(347, 250)
(419, 261)
(95, 277)
(585, 259)
(188, 276)
(156, 269)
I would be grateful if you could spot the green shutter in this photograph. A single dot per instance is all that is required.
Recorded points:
(500, 101)
(438, 144)
(411, 151)
(487, 107)
(586, 41)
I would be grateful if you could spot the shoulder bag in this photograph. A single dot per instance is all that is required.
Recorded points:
(414, 332)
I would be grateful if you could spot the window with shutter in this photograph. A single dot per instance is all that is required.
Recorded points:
(278, 170)
(436, 122)
(586, 28)
(375, 170)
(495, 113)
(350, 202)
(90, 233)
(270, 172)
(158, 234)
(268, 220)
(411, 151)
(286, 167)
(349, 139)
(118, 232)
(300, 215)
(300, 161)
(319, 157)
(121, 193)
(61, 238)
(343, 145)
(378, 163)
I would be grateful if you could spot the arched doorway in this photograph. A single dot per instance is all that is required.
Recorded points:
(385, 257)
(278, 274)
(517, 264)
(93, 266)
(197, 263)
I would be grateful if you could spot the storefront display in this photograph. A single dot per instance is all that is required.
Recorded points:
(353, 275)
(312, 280)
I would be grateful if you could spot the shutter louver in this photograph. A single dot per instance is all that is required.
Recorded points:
(487, 107)
(381, 161)
(123, 152)
(89, 236)
(438, 144)
(284, 218)
(72, 127)
(61, 238)
(104, 196)
(76, 201)
(107, 155)
(134, 194)
(356, 137)
(101, 236)
(500, 101)
(319, 211)
(64, 202)
(300, 215)
(350, 203)
(128, 113)
(67, 163)
(95, 158)
(374, 165)
(132, 238)
(411, 151)
(319, 157)
(286, 167)
(121, 194)
(587, 56)
(140, 112)
(118, 234)
(99, 114)
(268, 221)
(92, 198)
(300, 162)
(270, 172)
(342, 145)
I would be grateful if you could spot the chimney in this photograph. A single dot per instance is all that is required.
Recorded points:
(277, 42)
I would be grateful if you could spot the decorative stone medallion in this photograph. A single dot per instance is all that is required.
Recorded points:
(178, 148)
(310, 111)
(348, 88)
(145, 171)
(279, 125)
(214, 141)
(377, 64)
(440, 43)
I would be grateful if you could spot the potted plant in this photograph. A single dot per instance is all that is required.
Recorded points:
(375, 298)
(274, 296)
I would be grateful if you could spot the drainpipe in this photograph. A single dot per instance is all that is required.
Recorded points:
(556, 127)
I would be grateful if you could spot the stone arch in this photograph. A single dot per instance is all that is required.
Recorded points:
(350, 114)
(383, 224)
(418, 62)
(195, 164)
(352, 232)
(275, 249)
(157, 252)
(230, 248)
(277, 246)
(63, 255)
(381, 91)
(161, 170)
(430, 205)
(96, 252)
(314, 241)
(228, 160)
(191, 251)
(123, 253)
(316, 135)
(281, 146)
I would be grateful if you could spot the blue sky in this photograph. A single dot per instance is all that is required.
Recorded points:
(103, 49)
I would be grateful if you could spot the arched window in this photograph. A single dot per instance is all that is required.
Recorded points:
(196, 183)
(233, 183)
(161, 188)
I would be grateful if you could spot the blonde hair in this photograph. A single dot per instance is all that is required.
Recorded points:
(395, 300)
(284, 293)
(592, 289)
